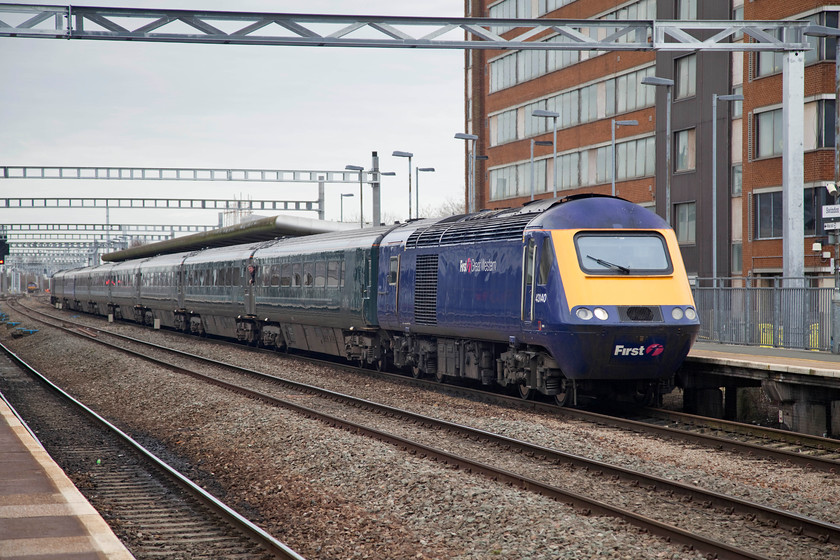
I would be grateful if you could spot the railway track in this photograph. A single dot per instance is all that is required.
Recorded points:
(153, 509)
(529, 470)
(804, 446)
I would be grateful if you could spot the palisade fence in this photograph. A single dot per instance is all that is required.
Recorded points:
(732, 311)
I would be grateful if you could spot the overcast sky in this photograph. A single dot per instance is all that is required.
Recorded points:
(109, 103)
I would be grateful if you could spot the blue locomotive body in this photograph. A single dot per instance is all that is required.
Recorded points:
(582, 294)
(523, 297)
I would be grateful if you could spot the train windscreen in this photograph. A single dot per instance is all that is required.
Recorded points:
(606, 253)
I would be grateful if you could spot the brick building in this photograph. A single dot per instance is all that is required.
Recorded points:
(591, 89)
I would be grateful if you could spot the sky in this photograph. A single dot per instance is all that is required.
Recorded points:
(136, 104)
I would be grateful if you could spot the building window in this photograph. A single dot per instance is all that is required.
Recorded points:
(738, 15)
(589, 103)
(686, 222)
(685, 150)
(505, 129)
(628, 93)
(769, 133)
(825, 134)
(737, 106)
(686, 9)
(769, 212)
(737, 180)
(737, 258)
(813, 201)
(768, 215)
(686, 74)
(769, 62)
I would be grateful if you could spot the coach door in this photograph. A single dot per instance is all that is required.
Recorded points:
(529, 259)
(249, 287)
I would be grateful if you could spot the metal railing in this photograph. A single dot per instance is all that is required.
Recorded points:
(778, 313)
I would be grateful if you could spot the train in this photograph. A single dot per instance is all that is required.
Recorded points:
(583, 296)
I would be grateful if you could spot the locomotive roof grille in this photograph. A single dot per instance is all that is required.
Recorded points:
(500, 229)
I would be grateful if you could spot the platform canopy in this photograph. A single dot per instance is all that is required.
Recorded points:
(253, 231)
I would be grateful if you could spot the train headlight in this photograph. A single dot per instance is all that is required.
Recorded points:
(677, 313)
(690, 313)
(583, 313)
(601, 313)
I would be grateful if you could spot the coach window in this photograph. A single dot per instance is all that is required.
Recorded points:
(308, 274)
(393, 271)
(286, 275)
(332, 274)
(320, 274)
(296, 275)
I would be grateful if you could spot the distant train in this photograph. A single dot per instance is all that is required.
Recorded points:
(585, 295)
(32, 287)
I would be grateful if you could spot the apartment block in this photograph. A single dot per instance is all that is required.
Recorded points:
(735, 216)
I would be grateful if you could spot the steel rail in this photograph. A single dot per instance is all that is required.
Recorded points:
(797, 524)
(270, 543)
(807, 441)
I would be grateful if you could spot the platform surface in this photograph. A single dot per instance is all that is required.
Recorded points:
(42, 514)
(803, 362)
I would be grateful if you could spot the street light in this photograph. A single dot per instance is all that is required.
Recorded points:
(343, 196)
(361, 171)
(552, 115)
(408, 155)
(668, 84)
(614, 124)
(536, 143)
(471, 182)
(417, 185)
(715, 99)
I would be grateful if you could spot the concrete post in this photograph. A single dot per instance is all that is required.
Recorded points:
(321, 198)
(793, 168)
(375, 187)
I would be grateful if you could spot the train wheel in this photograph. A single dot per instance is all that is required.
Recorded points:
(440, 377)
(525, 392)
(383, 363)
(647, 396)
(563, 397)
(416, 372)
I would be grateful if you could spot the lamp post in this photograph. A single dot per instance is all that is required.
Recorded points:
(343, 196)
(616, 123)
(668, 84)
(417, 185)
(361, 171)
(715, 99)
(552, 115)
(536, 143)
(408, 155)
(471, 182)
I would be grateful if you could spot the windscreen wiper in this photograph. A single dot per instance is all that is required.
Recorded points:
(608, 264)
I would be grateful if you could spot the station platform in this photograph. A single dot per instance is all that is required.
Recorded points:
(782, 360)
(42, 514)
(804, 385)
